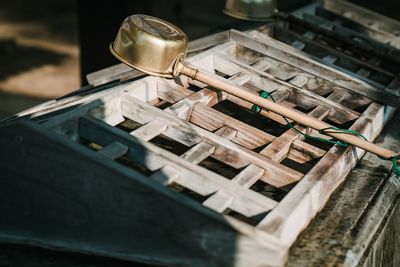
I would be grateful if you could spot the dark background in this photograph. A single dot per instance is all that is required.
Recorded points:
(48, 47)
(99, 23)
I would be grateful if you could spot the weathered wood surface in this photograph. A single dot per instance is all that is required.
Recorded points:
(351, 37)
(257, 181)
(298, 59)
(374, 22)
(96, 206)
(359, 224)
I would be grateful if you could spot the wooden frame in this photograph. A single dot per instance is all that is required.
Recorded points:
(338, 34)
(182, 165)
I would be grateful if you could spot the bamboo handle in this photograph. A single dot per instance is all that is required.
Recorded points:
(290, 113)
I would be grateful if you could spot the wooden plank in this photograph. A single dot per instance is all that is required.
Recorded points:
(226, 132)
(279, 51)
(380, 30)
(211, 119)
(322, 44)
(170, 91)
(376, 39)
(245, 104)
(105, 105)
(249, 176)
(365, 17)
(100, 194)
(114, 150)
(394, 86)
(331, 32)
(313, 83)
(220, 201)
(226, 151)
(199, 152)
(247, 136)
(280, 147)
(332, 54)
(299, 96)
(113, 73)
(183, 109)
(302, 152)
(207, 42)
(309, 196)
(151, 129)
(166, 175)
(198, 179)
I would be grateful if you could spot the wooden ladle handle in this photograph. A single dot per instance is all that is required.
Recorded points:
(304, 119)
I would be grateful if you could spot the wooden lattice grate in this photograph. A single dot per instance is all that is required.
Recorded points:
(202, 144)
(209, 146)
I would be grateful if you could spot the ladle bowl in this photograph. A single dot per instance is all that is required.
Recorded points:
(150, 45)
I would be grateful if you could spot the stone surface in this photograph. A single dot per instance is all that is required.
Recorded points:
(359, 224)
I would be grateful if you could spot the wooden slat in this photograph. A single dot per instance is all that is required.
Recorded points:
(280, 51)
(114, 150)
(279, 148)
(226, 151)
(313, 83)
(333, 54)
(371, 30)
(150, 130)
(302, 152)
(394, 86)
(333, 33)
(247, 136)
(222, 119)
(301, 97)
(220, 201)
(194, 108)
(365, 17)
(198, 179)
(199, 152)
(81, 193)
(182, 109)
(226, 132)
(248, 176)
(166, 175)
(377, 39)
(296, 210)
(170, 91)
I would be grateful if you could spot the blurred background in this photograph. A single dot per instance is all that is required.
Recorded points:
(48, 47)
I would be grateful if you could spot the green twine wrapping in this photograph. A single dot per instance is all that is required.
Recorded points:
(265, 95)
(396, 167)
(395, 164)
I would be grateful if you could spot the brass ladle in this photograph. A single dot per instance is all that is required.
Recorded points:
(158, 48)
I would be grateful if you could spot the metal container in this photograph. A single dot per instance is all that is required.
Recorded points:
(255, 10)
(140, 40)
